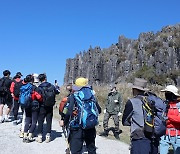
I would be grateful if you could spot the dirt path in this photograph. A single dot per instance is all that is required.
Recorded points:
(10, 143)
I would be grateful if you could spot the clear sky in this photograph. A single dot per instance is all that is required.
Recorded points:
(38, 36)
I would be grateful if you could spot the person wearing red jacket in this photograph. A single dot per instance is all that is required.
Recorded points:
(15, 90)
(172, 136)
(32, 111)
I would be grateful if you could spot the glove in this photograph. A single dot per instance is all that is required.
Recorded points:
(119, 114)
(104, 110)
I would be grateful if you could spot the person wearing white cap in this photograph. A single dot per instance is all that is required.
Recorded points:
(172, 136)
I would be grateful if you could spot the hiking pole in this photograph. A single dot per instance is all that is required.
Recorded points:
(66, 139)
(153, 134)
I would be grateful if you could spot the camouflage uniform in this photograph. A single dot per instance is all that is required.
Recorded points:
(113, 107)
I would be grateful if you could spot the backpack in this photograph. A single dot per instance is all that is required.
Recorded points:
(17, 86)
(49, 95)
(25, 95)
(87, 112)
(3, 88)
(62, 105)
(154, 111)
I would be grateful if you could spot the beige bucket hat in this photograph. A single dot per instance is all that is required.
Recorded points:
(140, 84)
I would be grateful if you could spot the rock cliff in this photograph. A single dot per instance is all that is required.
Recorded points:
(153, 56)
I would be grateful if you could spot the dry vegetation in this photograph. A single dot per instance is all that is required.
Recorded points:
(101, 94)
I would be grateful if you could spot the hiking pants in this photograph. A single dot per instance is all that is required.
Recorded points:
(115, 118)
(166, 141)
(45, 112)
(16, 109)
(77, 138)
(144, 146)
(30, 120)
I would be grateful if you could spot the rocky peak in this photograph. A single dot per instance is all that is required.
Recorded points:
(153, 56)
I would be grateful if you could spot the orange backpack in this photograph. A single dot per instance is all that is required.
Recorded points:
(62, 105)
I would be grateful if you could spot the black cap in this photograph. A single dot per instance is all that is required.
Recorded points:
(19, 74)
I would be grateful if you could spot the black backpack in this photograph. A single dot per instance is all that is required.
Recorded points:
(17, 87)
(3, 88)
(49, 95)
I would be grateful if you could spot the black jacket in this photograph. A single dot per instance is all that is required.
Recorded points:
(6, 83)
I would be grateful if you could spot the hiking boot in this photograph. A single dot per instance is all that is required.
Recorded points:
(21, 134)
(1, 121)
(30, 137)
(48, 138)
(105, 133)
(116, 135)
(39, 139)
(25, 138)
(7, 120)
(19, 121)
(15, 123)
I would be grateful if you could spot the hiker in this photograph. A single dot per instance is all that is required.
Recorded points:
(63, 111)
(15, 91)
(141, 143)
(36, 83)
(5, 96)
(73, 119)
(113, 109)
(64, 101)
(31, 107)
(48, 91)
(172, 136)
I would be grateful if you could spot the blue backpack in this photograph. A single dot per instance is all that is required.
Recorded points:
(25, 95)
(87, 112)
(154, 109)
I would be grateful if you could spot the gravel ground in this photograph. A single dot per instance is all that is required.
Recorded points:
(10, 143)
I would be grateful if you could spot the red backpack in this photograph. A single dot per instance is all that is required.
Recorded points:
(62, 105)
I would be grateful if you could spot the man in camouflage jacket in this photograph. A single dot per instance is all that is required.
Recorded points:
(113, 108)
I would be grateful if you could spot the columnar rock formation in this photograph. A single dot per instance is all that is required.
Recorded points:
(154, 56)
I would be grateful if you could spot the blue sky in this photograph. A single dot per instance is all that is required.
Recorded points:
(38, 36)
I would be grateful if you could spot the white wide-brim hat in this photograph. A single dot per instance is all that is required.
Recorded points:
(172, 89)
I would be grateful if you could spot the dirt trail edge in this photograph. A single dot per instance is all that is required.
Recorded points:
(10, 143)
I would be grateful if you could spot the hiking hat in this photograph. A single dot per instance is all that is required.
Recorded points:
(79, 83)
(172, 89)
(140, 84)
(19, 74)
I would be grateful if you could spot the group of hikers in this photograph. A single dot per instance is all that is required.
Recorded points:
(154, 122)
(36, 97)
